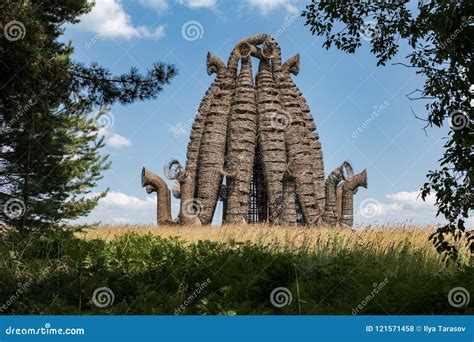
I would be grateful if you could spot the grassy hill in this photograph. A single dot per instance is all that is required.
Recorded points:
(230, 270)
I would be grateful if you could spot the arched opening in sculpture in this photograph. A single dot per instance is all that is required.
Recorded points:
(254, 146)
(257, 202)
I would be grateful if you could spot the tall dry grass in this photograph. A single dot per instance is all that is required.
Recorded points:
(153, 270)
(382, 240)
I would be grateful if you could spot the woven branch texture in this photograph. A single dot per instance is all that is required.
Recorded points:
(254, 146)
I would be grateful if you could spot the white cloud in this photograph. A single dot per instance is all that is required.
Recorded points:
(404, 206)
(198, 3)
(266, 6)
(113, 139)
(118, 141)
(162, 5)
(158, 5)
(109, 19)
(413, 201)
(120, 208)
(121, 220)
(119, 200)
(177, 129)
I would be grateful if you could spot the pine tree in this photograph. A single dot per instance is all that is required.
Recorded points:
(49, 141)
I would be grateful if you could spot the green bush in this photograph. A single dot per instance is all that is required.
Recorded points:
(58, 274)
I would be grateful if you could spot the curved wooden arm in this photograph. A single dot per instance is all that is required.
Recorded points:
(153, 182)
(214, 65)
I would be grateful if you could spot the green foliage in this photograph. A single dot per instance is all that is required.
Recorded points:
(152, 275)
(49, 144)
(53, 160)
(440, 35)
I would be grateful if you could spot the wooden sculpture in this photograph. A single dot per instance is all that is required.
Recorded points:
(254, 146)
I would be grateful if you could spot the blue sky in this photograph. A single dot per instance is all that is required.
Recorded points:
(361, 111)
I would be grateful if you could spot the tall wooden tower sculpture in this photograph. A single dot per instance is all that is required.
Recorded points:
(254, 146)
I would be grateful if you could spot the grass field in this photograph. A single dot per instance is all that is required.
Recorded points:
(230, 270)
